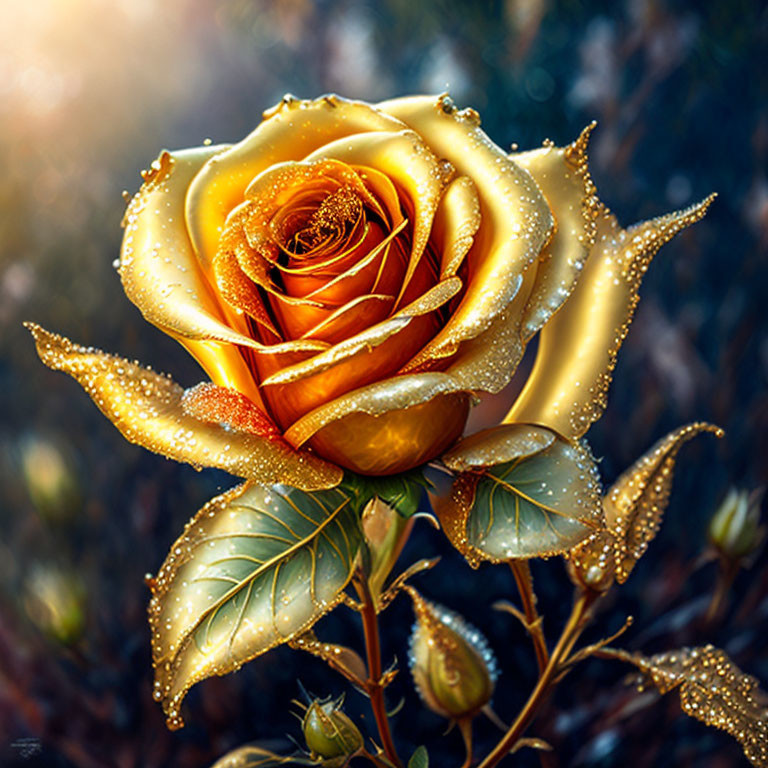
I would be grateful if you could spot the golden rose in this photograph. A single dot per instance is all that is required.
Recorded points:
(351, 275)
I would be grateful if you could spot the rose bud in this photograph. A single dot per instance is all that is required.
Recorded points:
(54, 600)
(735, 529)
(328, 732)
(451, 662)
(50, 477)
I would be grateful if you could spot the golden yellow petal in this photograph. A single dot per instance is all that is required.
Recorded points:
(158, 267)
(363, 343)
(567, 389)
(635, 504)
(498, 445)
(562, 175)
(488, 362)
(146, 407)
(516, 221)
(289, 132)
(410, 165)
(457, 219)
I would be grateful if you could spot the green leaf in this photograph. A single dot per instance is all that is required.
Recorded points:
(254, 568)
(419, 759)
(531, 506)
(403, 492)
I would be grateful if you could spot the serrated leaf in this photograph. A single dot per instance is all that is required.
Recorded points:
(534, 505)
(635, 504)
(419, 759)
(714, 690)
(254, 568)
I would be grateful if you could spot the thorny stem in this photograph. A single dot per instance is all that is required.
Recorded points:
(373, 685)
(548, 678)
(522, 573)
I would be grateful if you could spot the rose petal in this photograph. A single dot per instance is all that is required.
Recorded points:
(396, 393)
(410, 165)
(158, 267)
(290, 131)
(562, 175)
(516, 220)
(457, 220)
(414, 417)
(147, 409)
(219, 405)
(344, 322)
(370, 338)
(567, 389)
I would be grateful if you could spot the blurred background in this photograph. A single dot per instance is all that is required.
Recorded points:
(90, 90)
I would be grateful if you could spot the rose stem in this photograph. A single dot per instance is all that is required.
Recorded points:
(373, 685)
(521, 570)
(524, 580)
(573, 628)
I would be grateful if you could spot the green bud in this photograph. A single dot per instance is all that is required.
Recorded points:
(328, 732)
(54, 600)
(735, 529)
(451, 662)
(386, 532)
(50, 478)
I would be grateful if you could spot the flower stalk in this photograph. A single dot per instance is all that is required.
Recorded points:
(375, 684)
(551, 675)
(521, 570)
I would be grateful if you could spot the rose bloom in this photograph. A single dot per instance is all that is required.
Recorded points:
(351, 276)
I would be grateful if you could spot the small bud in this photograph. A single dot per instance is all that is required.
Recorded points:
(735, 529)
(50, 478)
(386, 532)
(451, 662)
(54, 600)
(328, 732)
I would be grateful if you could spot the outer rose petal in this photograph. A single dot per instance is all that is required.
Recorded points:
(567, 388)
(289, 131)
(563, 177)
(147, 408)
(516, 221)
(158, 267)
(389, 426)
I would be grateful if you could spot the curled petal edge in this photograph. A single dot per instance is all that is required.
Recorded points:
(148, 410)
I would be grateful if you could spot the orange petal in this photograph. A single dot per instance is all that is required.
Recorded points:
(567, 388)
(147, 409)
(411, 166)
(395, 440)
(289, 132)
(220, 405)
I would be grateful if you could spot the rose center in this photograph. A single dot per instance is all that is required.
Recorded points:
(332, 221)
